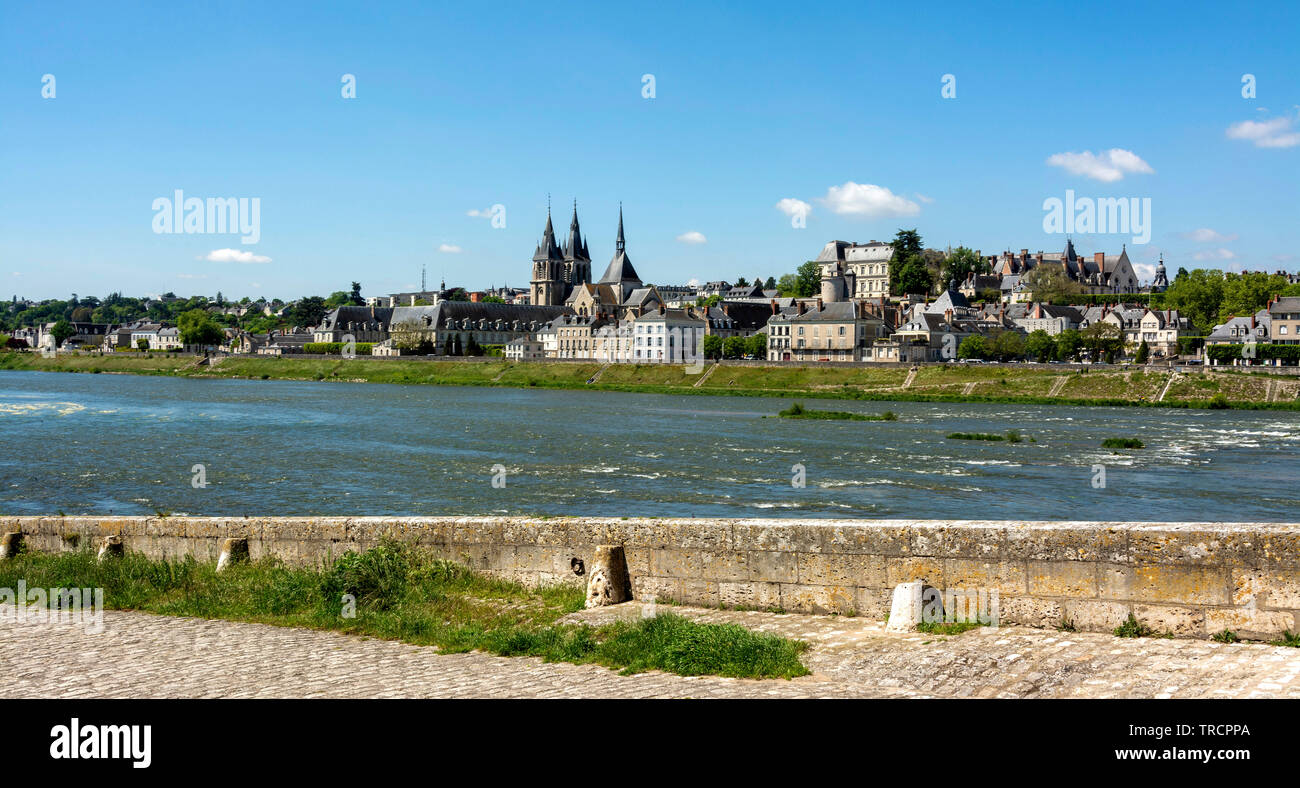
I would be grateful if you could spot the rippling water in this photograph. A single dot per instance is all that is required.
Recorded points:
(121, 444)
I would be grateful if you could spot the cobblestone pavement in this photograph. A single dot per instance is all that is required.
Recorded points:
(143, 655)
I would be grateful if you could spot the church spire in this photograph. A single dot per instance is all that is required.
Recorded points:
(575, 249)
(620, 244)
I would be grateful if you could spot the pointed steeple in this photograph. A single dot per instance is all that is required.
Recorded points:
(620, 270)
(548, 249)
(575, 248)
(620, 243)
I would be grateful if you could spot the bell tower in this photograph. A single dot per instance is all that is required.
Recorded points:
(547, 286)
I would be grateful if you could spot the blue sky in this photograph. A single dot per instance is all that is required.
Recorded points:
(463, 106)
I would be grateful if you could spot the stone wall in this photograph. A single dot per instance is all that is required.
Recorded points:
(1193, 579)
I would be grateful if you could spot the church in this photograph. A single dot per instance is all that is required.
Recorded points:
(562, 274)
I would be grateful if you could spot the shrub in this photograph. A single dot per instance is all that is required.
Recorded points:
(1122, 443)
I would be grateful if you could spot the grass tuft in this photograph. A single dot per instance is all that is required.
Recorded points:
(1132, 628)
(1122, 443)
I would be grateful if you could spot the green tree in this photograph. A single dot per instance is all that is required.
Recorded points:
(1049, 282)
(309, 311)
(1040, 346)
(973, 346)
(337, 299)
(493, 299)
(712, 346)
(770, 284)
(756, 345)
(142, 343)
(742, 282)
(911, 277)
(1198, 296)
(1008, 345)
(61, 331)
(1246, 294)
(1144, 352)
(808, 281)
(355, 297)
(1068, 345)
(733, 347)
(198, 328)
(907, 243)
(959, 265)
(1103, 340)
(788, 285)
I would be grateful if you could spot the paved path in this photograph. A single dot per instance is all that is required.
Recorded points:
(142, 655)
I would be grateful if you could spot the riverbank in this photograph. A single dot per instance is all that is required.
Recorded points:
(1148, 387)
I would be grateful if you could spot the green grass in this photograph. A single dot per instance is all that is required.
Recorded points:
(797, 411)
(943, 628)
(1226, 636)
(1122, 443)
(976, 436)
(1289, 638)
(1132, 628)
(934, 383)
(400, 593)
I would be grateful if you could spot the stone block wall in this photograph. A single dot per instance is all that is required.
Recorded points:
(1193, 579)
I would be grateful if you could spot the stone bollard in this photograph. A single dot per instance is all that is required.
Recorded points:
(233, 551)
(909, 598)
(111, 547)
(11, 544)
(608, 583)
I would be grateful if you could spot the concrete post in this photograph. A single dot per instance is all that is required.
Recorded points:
(111, 547)
(233, 551)
(11, 544)
(609, 583)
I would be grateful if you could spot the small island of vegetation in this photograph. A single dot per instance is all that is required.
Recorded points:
(797, 411)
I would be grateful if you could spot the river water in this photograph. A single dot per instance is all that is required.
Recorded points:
(123, 444)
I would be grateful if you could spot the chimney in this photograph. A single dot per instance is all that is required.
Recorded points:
(726, 309)
(773, 306)
(1100, 259)
(819, 303)
(802, 306)
(663, 310)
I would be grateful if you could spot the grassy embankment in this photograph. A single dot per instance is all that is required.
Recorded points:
(403, 594)
(933, 383)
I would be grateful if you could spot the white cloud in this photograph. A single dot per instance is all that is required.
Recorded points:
(1144, 271)
(449, 248)
(924, 199)
(1205, 235)
(791, 206)
(476, 213)
(1108, 166)
(693, 282)
(193, 276)
(692, 237)
(1215, 254)
(869, 200)
(1275, 133)
(234, 256)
